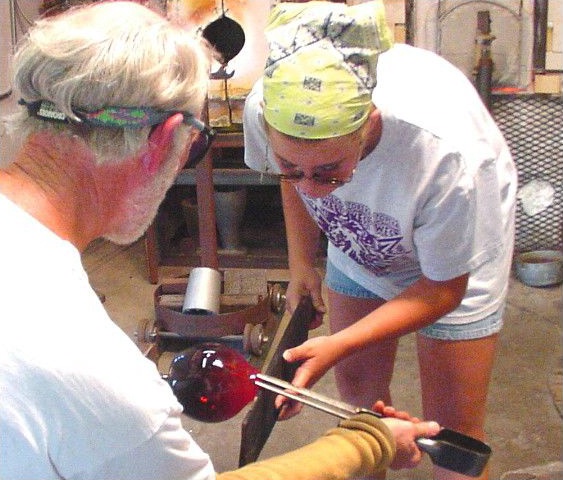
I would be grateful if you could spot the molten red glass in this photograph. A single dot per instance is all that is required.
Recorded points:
(212, 382)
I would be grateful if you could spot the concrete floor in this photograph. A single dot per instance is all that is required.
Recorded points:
(524, 421)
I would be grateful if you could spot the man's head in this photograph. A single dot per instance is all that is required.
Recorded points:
(110, 54)
(112, 90)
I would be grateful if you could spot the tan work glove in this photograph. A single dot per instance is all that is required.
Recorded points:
(360, 445)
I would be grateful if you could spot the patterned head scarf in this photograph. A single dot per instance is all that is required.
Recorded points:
(321, 68)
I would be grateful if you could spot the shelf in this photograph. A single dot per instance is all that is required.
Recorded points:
(229, 176)
(202, 249)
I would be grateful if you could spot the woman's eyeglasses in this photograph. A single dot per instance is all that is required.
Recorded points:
(317, 177)
(320, 178)
(127, 117)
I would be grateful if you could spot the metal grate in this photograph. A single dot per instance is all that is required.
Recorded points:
(533, 128)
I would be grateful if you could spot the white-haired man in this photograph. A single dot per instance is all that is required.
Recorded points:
(110, 95)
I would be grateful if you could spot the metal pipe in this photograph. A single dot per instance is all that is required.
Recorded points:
(540, 33)
(13, 28)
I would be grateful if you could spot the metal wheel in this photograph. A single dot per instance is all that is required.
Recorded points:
(146, 332)
(277, 298)
(253, 339)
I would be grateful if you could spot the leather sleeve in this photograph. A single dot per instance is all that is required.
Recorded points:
(359, 446)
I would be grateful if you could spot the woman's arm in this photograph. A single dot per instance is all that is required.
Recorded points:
(302, 235)
(418, 306)
(422, 304)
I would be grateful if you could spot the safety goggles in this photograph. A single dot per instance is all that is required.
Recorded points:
(318, 178)
(127, 117)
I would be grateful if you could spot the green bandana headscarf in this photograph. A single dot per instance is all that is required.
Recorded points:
(321, 68)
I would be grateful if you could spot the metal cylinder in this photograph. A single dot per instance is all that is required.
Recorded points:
(484, 80)
(203, 292)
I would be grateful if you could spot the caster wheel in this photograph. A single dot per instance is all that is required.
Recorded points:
(254, 339)
(146, 332)
(277, 298)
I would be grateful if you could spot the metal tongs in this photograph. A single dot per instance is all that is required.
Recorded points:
(321, 402)
(448, 449)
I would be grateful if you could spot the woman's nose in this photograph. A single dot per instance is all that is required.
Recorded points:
(311, 188)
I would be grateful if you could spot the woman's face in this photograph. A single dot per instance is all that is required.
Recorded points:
(317, 167)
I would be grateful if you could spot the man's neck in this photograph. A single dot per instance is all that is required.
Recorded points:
(53, 189)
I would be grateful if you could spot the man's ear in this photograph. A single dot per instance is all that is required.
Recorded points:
(160, 142)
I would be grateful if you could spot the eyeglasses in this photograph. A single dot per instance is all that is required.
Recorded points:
(320, 178)
(127, 117)
(200, 144)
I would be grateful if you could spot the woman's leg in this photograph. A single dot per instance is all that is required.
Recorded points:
(455, 376)
(365, 376)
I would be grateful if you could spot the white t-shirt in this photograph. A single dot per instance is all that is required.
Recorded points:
(78, 399)
(435, 197)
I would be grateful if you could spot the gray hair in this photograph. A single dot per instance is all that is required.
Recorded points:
(110, 54)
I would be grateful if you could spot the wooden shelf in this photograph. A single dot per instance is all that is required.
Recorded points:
(204, 177)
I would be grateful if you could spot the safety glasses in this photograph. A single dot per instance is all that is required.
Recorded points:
(127, 117)
(318, 178)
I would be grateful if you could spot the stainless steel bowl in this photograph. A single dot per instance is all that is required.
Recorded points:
(540, 268)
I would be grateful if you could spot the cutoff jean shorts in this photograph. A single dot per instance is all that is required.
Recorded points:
(340, 283)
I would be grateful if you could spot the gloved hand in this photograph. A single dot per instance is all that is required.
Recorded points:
(359, 446)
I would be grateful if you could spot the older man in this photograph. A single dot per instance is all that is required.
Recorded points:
(110, 96)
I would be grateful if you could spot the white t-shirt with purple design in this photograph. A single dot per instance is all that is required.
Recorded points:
(435, 197)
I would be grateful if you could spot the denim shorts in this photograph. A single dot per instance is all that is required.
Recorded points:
(340, 283)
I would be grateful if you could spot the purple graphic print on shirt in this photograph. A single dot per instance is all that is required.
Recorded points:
(371, 239)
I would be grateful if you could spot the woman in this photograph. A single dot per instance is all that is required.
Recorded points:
(413, 185)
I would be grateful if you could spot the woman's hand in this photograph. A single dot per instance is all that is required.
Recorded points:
(306, 280)
(317, 355)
